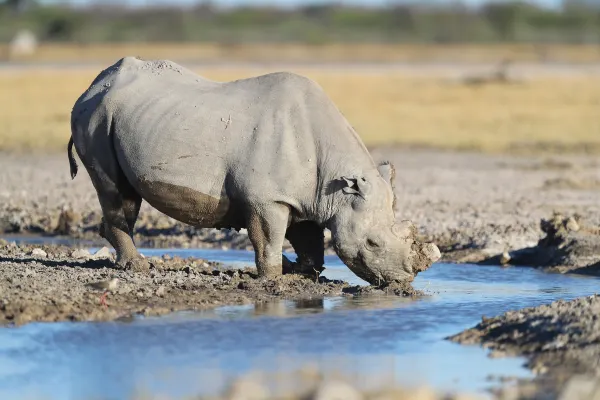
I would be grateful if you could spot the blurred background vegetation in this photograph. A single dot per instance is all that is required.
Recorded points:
(483, 75)
(426, 21)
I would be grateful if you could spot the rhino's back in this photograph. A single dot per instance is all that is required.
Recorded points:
(253, 137)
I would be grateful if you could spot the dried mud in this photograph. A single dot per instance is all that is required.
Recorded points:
(50, 283)
(570, 246)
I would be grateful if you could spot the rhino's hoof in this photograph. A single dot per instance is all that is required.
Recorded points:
(135, 265)
(290, 267)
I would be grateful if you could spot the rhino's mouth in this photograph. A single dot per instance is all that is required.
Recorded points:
(377, 277)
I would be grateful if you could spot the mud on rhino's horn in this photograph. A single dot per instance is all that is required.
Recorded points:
(426, 255)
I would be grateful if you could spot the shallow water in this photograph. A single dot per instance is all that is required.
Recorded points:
(394, 340)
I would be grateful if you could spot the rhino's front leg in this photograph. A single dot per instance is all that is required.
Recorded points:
(266, 228)
(308, 241)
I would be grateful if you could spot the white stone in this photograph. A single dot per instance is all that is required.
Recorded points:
(247, 389)
(80, 253)
(336, 390)
(39, 253)
(102, 253)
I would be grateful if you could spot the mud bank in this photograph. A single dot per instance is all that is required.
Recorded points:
(472, 206)
(50, 283)
(570, 246)
(560, 341)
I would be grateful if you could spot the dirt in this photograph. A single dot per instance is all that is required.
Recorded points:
(561, 341)
(50, 283)
(571, 245)
(473, 206)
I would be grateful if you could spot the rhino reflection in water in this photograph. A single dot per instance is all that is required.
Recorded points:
(271, 154)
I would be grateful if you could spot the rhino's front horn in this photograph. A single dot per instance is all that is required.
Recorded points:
(432, 252)
(427, 255)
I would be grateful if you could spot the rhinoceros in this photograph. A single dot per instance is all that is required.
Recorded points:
(271, 154)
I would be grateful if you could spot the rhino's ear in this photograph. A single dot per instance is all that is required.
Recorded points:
(357, 186)
(388, 172)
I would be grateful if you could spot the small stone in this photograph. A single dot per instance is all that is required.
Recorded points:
(505, 258)
(80, 253)
(102, 253)
(336, 390)
(580, 387)
(243, 285)
(67, 222)
(497, 354)
(572, 225)
(39, 253)
(160, 292)
(247, 389)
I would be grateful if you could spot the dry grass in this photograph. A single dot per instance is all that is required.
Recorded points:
(386, 108)
(314, 53)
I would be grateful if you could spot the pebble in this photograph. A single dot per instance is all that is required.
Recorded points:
(247, 389)
(39, 253)
(102, 253)
(336, 390)
(80, 253)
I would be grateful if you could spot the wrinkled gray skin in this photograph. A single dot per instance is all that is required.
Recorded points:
(271, 154)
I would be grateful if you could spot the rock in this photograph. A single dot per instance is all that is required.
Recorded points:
(247, 389)
(80, 253)
(336, 390)
(504, 258)
(572, 224)
(67, 222)
(580, 388)
(39, 253)
(102, 253)
(160, 292)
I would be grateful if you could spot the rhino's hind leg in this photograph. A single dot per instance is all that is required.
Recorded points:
(120, 207)
(266, 228)
(119, 221)
(308, 241)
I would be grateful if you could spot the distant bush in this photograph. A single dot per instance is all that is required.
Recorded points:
(578, 21)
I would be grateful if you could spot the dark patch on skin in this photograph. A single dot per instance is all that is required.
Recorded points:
(186, 156)
(159, 166)
(184, 204)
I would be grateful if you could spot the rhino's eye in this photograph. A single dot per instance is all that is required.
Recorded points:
(372, 244)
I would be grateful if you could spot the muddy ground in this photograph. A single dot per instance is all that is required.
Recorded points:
(473, 206)
(50, 283)
(560, 340)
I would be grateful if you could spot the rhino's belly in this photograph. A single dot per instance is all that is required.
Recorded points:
(186, 189)
(188, 205)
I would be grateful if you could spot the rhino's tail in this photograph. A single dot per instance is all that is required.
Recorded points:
(72, 161)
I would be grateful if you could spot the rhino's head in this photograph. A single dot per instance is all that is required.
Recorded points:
(366, 236)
